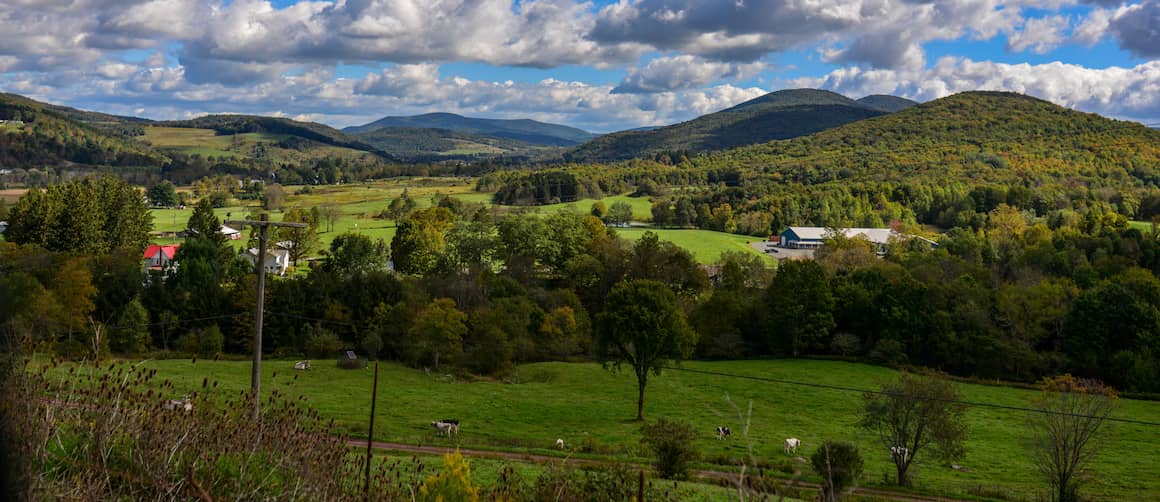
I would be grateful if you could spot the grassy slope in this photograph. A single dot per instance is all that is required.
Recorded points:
(582, 402)
(206, 142)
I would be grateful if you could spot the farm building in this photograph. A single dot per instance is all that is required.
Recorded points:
(814, 237)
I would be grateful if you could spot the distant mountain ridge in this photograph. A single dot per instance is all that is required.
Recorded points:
(524, 130)
(782, 114)
(887, 103)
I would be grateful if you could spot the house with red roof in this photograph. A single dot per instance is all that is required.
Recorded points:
(159, 256)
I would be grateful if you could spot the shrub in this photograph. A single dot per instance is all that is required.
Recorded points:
(839, 464)
(453, 484)
(322, 343)
(672, 444)
(204, 342)
(372, 344)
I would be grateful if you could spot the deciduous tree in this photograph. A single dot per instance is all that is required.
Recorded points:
(914, 413)
(1065, 434)
(643, 326)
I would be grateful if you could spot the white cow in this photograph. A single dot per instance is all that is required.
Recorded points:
(446, 427)
(179, 404)
(560, 443)
(723, 432)
(898, 453)
(791, 445)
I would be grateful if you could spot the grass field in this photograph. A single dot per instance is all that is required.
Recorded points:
(360, 202)
(706, 245)
(585, 404)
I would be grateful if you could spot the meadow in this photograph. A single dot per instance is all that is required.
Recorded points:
(359, 203)
(592, 409)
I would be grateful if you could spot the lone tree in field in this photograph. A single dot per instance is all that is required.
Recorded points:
(642, 325)
(1064, 435)
(914, 413)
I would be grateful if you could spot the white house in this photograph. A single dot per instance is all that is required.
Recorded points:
(276, 262)
(3, 226)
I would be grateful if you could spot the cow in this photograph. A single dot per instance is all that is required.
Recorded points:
(560, 443)
(446, 427)
(899, 453)
(723, 432)
(179, 404)
(791, 445)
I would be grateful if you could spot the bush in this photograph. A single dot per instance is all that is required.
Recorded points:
(205, 342)
(672, 444)
(452, 484)
(839, 464)
(372, 344)
(322, 343)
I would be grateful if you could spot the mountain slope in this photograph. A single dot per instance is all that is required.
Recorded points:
(973, 136)
(887, 103)
(777, 115)
(527, 131)
(37, 134)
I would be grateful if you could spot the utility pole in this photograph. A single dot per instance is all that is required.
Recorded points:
(263, 233)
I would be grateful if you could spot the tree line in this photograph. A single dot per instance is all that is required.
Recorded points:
(1019, 298)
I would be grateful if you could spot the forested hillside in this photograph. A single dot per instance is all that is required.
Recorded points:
(524, 130)
(40, 142)
(445, 144)
(35, 134)
(777, 115)
(887, 103)
(938, 163)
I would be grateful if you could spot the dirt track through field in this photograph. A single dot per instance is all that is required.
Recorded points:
(717, 477)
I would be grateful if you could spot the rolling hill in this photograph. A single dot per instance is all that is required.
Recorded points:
(36, 134)
(979, 136)
(777, 115)
(887, 103)
(523, 130)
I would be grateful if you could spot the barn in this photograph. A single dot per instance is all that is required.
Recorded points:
(814, 237)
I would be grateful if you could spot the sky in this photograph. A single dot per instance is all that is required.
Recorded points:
(598, 65)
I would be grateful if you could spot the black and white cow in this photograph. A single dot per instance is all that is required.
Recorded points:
(723, 432)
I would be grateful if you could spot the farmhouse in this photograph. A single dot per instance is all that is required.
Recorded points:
(276, 262)
(3, 226)
(159, 257)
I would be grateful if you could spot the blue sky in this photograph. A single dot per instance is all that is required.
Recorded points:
(601, 66)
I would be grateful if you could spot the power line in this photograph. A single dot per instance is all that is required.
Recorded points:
(315, 319)
(884, 393)
(178, 321)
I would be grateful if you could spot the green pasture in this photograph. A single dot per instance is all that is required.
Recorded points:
(587, 405)
(706, 245)
(359, 203)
